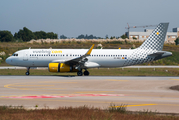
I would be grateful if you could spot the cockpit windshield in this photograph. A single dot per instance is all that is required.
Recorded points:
(15, 54)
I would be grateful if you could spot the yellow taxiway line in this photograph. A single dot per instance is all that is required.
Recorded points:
(175, 79)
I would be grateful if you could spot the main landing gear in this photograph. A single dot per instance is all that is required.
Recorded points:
(27, 73)
(86, 73)
(80, 73)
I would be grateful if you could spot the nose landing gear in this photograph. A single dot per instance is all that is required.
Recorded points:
(27, 73)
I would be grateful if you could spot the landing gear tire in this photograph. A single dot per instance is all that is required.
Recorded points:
(86, 73)
(79, 73)
(27, 73)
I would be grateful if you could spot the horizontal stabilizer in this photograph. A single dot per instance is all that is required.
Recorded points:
(160, 54)
(157, 54)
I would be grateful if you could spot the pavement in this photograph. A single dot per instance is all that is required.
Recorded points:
(138, 93)
(144, 66)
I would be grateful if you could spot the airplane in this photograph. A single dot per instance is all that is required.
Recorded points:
(77, 60)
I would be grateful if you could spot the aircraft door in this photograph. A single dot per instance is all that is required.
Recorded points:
(25, 56)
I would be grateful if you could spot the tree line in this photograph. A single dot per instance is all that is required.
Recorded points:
(25, 35)
(93, 37)
(82, 37)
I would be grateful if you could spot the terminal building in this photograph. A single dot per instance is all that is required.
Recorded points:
(170, 37)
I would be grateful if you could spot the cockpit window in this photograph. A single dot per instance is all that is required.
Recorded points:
(15, 54)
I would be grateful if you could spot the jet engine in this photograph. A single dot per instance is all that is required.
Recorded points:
(60, 67)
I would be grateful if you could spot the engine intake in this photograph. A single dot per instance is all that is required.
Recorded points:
(60, 67)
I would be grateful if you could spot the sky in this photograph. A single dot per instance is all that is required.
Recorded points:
(97, 17)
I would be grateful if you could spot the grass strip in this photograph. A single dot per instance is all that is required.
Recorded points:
(101, 72)
(80, 113)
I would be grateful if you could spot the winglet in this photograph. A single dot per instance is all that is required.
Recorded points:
(89, 51)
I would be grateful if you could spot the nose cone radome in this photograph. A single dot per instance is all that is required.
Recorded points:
(8, 60)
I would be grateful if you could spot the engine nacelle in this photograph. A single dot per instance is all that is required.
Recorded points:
(60, 67)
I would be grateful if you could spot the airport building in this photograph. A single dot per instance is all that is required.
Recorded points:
(171, 36)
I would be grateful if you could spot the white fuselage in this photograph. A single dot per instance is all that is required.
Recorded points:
(42, 57)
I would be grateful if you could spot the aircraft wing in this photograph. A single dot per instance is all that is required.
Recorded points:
(77, 60)
(81, 58)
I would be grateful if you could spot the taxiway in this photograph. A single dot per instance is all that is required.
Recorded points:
(138, 93)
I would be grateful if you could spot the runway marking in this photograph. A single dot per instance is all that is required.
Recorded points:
(18, 85)
(136, 105)
(74, 101)
(40, 88)
(55, 82)
(94, 92)
(64, 96)
(175, 79)
(117, 80)
(153, 98)
(13, 86)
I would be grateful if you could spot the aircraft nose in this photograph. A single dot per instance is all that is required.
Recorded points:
(8, 60)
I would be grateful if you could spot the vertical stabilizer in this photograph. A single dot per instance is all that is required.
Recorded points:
(156, 39)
